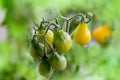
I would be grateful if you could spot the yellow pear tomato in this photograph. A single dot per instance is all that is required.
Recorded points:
(102, 34)
(82, 34)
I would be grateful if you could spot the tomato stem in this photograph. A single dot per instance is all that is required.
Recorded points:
(64, 17)
(45, 40)
(75, 16)
(84, 18)
(67, 26)
(49, 78)
(56, 21)
(69, 19)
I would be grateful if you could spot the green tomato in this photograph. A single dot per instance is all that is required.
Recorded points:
(45, 68)
(58, 62)
(62, 41)
(36, 50)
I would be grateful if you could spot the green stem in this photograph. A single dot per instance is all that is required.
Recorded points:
(45, 41)
(67, 26)
(56, 21)
(47, 29)
(69, 19)
(49, 45)
(49, 78)
(35, 30)
(44, 47)
(50, 23)
(75, 16)
(64, 17)
(45, 38)
(88, 17)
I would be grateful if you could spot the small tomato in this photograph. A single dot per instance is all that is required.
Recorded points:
(82, 34)
(102, 34)
(36, 50)
(45, 68)
(58, 62)
(62, 41)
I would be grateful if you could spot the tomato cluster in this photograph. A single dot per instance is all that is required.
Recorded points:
(50, 44)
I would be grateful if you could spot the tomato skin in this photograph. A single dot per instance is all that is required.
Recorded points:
(82, 34)
(102, 34)
(36, 50)
(62, 41)
(45, 68)
(58, 62)
(49, 37)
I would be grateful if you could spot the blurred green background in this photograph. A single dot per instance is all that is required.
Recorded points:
(92, 63)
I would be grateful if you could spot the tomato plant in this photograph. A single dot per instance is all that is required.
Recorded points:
(54, 42)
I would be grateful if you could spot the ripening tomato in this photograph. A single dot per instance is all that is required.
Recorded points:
(62, 41)
(36, 50)
(49, 38)
(82, 34)
(45, 68)
(102, 34)
(58, 62)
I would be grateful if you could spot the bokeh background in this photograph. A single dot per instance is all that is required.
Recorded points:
(93, 62)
